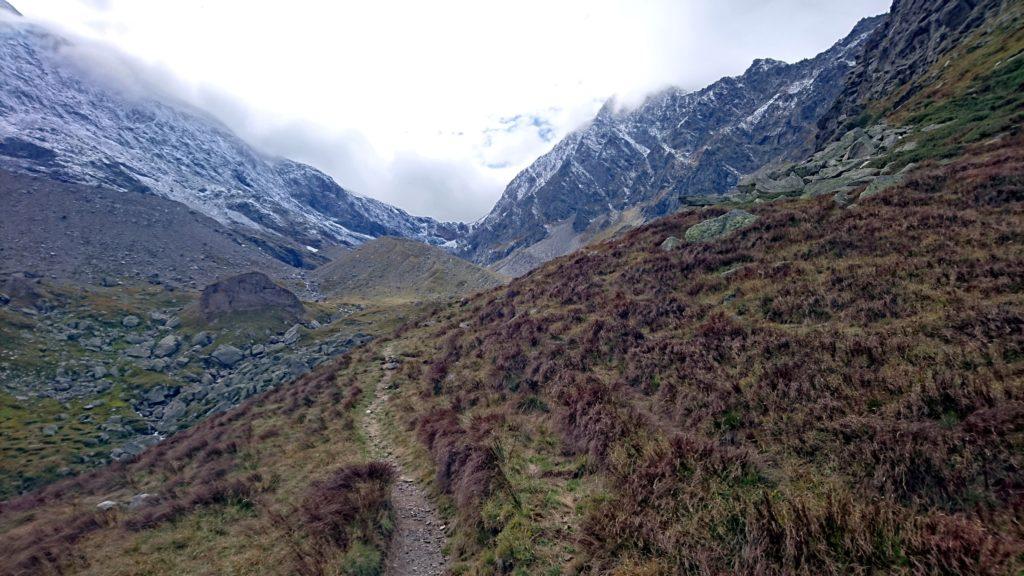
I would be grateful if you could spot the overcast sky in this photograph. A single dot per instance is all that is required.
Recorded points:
(435, 105)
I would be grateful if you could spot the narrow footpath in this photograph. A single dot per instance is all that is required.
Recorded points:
(416, 545)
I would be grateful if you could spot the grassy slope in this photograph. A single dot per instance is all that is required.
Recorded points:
(828, 391)
(280, 485)
(974, 93)
(393, 269)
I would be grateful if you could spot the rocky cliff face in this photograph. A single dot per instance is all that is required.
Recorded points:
(626, 167)
(60, 117)
(898, 55)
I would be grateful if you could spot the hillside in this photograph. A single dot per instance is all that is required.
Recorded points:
(396, 269)
(827, 390)
(818, 372)
(50, 228)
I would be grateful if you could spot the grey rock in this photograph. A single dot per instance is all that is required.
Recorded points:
(50, 430)
(140, 500)
(167, 346)
(670, 244)
(140, 351)
(715, 228)
(157, 395)
(227, 355)
(292, 335)
(130, 321)
(202, 339)
(879, 185)
(822, 187)
(861, 149)
(789, 186)
(107, 505)
(908, 147)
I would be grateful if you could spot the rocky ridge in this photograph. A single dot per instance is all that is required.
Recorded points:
(629, 166)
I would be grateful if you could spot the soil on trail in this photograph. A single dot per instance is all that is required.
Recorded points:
(416, 545)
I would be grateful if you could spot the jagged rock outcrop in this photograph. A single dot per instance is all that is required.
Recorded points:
(627, 167)
(898, 55)
(251, 292)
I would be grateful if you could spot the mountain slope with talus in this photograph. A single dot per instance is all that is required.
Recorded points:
(65, 117)
(627, 167)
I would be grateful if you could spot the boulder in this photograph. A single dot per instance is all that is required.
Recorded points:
(670, 244)
(723, 225)
(789, 186)
(157, 395)
(130, 321)
(862, 148)
(167, 346)
(227, 355)
(292, 335)
(249, 292)
(830, 186)
(202, 339)
(879, 185)
(140, 350)
(140, 500)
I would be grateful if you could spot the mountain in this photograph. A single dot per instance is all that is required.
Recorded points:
(50, 228)
(395, 268)
(70, 119)
(898, 57)
(627, 167)
(781, 382)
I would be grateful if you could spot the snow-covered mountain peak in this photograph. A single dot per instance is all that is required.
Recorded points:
(59, 119)
(5, 6)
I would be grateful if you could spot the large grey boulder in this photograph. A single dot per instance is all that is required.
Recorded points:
(292, 335)
(203, 339)
(167, 346)
(719, 227)
(791, 185)
(227, 355)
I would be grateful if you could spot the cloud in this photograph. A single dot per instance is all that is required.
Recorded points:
(460, 94)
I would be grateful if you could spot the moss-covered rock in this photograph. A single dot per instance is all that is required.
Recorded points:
(723, 225)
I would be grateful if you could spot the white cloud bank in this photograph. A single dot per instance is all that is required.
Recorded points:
(434, 106)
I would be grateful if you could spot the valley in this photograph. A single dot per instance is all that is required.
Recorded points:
(774, 326)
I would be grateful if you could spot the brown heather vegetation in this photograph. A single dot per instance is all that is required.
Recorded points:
(278, 485)
(829, 391)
